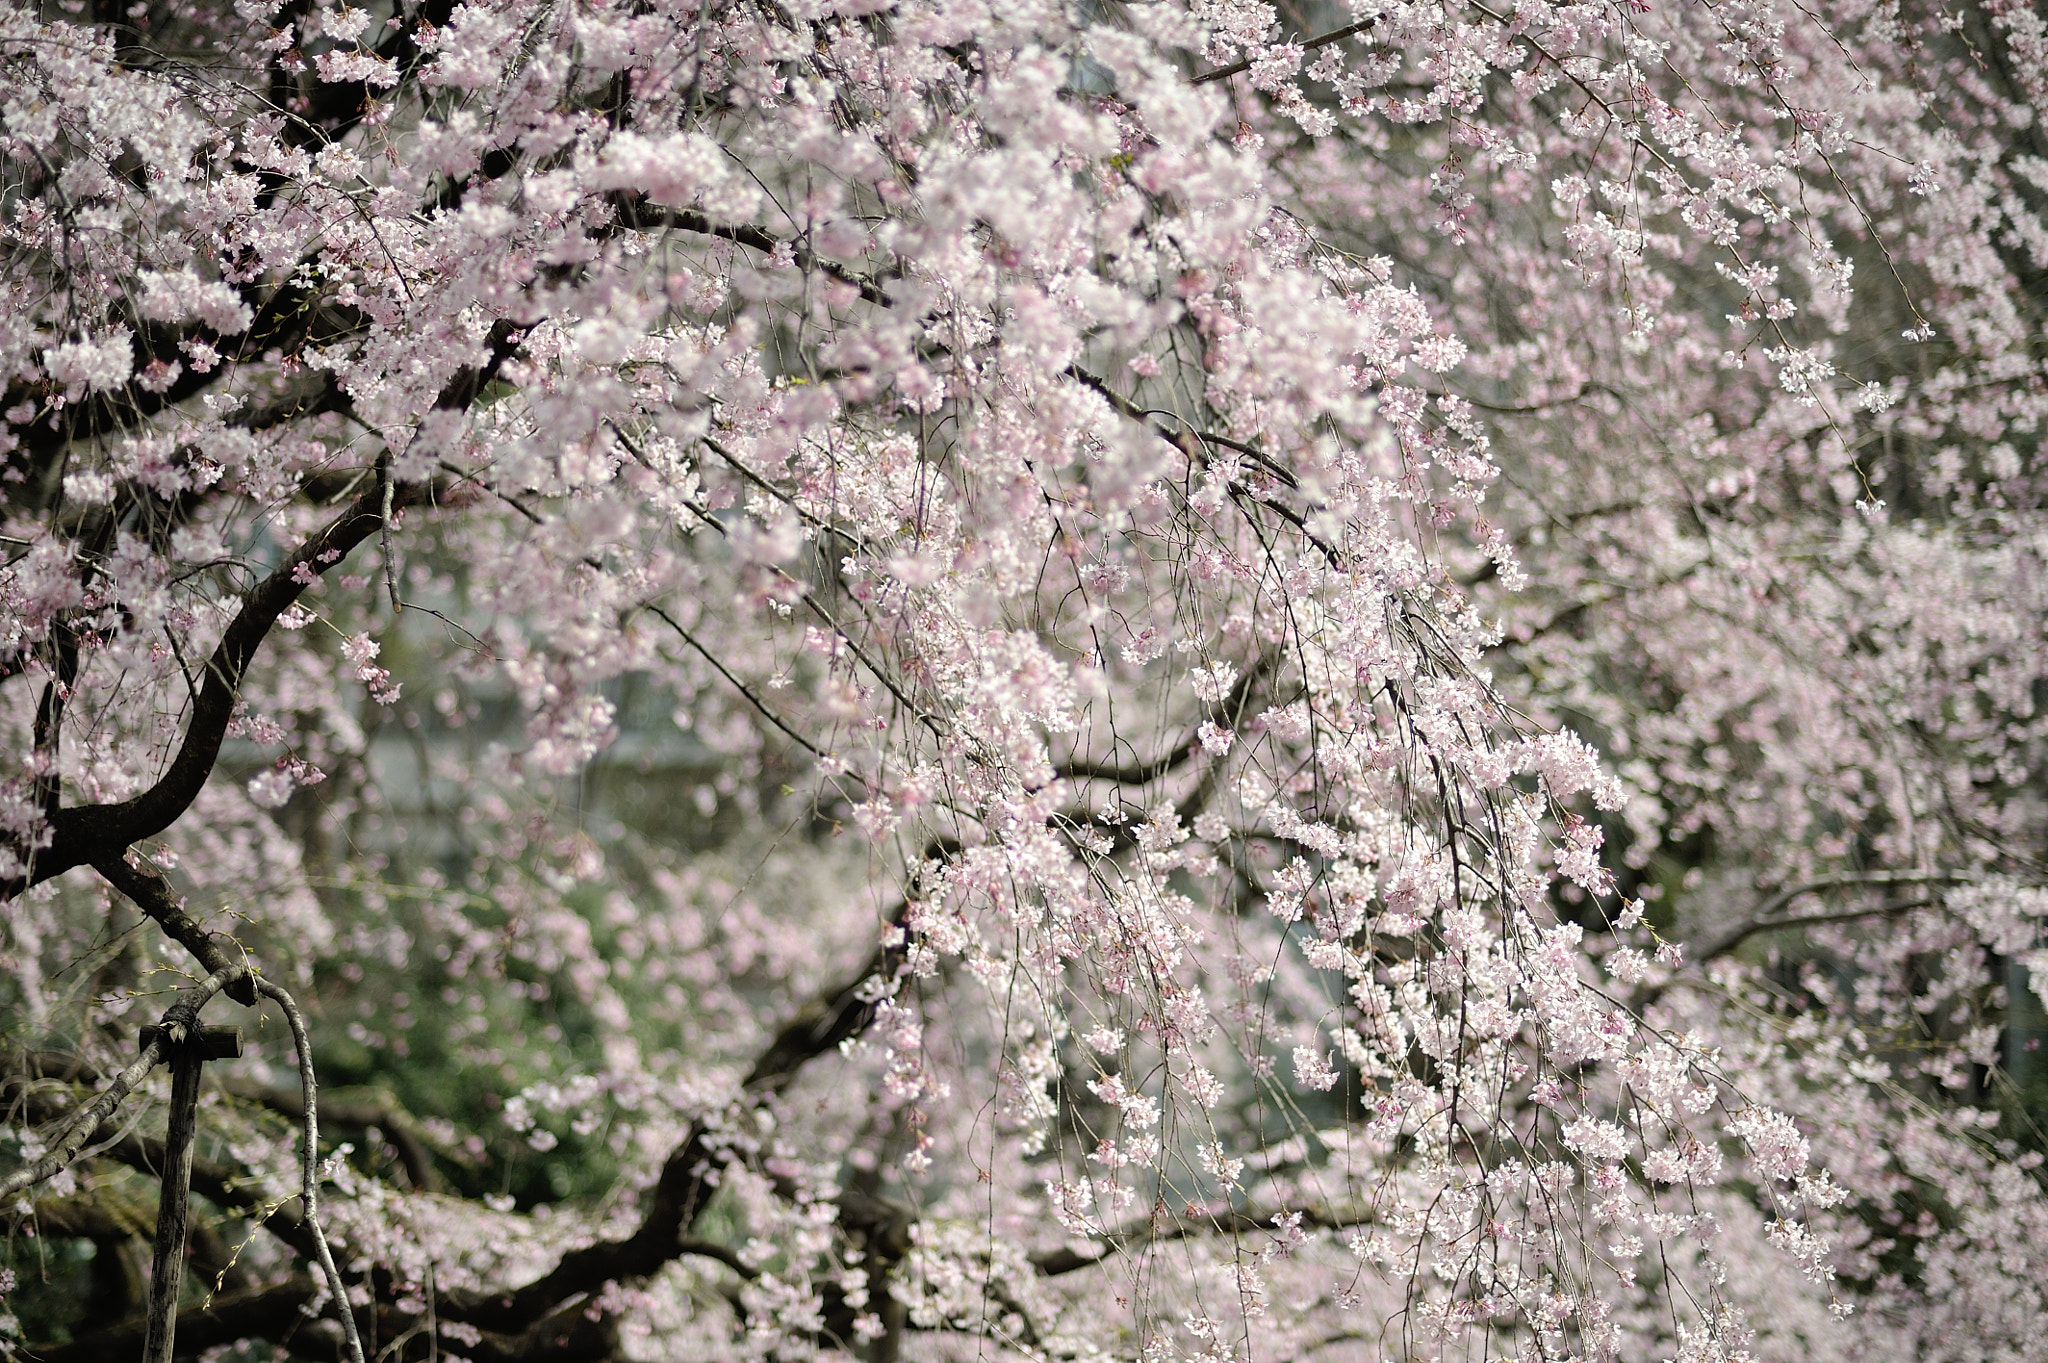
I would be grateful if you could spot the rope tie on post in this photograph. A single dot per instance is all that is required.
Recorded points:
(179, 1038)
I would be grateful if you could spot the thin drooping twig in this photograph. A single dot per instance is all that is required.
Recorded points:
(309, 1162)
(182, 1014)
(738, 685)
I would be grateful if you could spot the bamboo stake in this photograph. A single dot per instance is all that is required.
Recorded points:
(189, 1050)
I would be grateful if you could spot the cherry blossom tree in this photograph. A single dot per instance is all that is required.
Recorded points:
(935, 680)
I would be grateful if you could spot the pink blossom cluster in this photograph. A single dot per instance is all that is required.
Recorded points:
(1300, 687)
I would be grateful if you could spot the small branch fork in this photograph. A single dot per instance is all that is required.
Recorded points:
(179, 1039)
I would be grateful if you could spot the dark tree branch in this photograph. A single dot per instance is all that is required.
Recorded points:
(686, 1176)
(88, 833)
(1752, 929)
(1059, 1262)
(288, 318)
(152, 893)
(636, 212)
(1854, 879)
(1765, 919)
(1134, 774)
(1174, 435)
(1144, 773)
(267, 1313)
(1240, 67)
(309, 1162)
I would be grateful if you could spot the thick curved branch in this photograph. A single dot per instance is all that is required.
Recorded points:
(680, 1193)
(820, 1025)
(1134, 774)
(87, 833)
(286, 319)
(152, 893)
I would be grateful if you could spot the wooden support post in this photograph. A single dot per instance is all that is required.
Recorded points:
(173, 1216)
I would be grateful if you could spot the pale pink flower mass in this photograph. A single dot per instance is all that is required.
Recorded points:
(910, 680)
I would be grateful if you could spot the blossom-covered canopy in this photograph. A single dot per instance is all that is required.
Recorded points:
(1149, 680)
